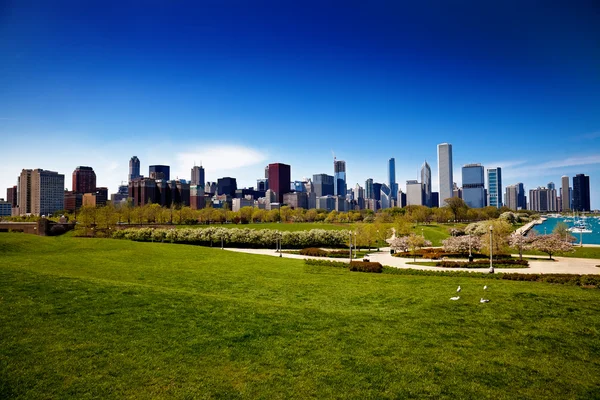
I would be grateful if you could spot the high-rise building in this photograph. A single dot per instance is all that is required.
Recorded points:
(197, 176)
(511, 197)
(415, 195)
(551, 185)
(41, 192)
(5, 208)
(581, 192)
(369, 189)
(473, 190)
(392, 177)
(377, 191)
(296, 200)
(11, 196)
(385, 196)
(445, 177)
(323, 185)
(279, 179)
(226, 186)
(495, 187)
(84, 180)
(565, 197)
(426, 182)
(134, 168)
(262, 185)
(542, 199)
(197, 200)
(339, 175)
(160, 172)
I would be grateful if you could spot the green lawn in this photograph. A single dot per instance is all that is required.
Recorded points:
(579, 252)
(93, 318)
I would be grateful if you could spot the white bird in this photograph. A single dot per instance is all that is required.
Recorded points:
(484, 300)
(455, 298)
(485, 287)
(458, 290)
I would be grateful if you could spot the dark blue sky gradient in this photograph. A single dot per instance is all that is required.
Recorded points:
(496, 80)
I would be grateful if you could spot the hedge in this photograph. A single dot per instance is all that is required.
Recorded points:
(366, 266)
(483, 264)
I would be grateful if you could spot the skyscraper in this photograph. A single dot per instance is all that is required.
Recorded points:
(542, 199)
(414, 193)
(426, 182)
(41, 192)
(197, 176)
(473, 191)
(279, 179)
(581, 192)
(160, 172)
(392, 185)
(445, 177)
(511, 197)
(84, 180)
(495, 187)
(339, 174)
(323, 185)
(134, 168)
(369, 189)
(565, 197)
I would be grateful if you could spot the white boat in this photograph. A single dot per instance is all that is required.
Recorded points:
(579, 230)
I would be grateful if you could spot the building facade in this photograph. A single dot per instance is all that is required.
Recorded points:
(84, 180)
(473, 190)
(159, 172)
(369, 189)
(197, 176)
(41, 192)
(323, 185)
(414, 193)
(565, 197)
(426, 182)
(495, 187)
(339, 177)
(581, 192)
(445, 178)
(134, 168)
(543, 199)
(392, 177)
(279, 179)
(227, 186)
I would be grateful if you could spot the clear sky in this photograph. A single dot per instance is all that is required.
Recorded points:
(236, 85)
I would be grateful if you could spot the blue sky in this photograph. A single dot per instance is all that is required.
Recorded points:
(237, 85)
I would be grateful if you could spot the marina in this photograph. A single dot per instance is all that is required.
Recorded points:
(585, 229)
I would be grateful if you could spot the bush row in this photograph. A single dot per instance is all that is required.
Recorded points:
(366, 266)
(325, 263)
(316, 252)
(233, 237)
(436, 254)
(483, 264)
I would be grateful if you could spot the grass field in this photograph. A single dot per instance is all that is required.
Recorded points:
(92, 318)
(579, 252)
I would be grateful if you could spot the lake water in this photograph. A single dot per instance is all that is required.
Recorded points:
(588, 238)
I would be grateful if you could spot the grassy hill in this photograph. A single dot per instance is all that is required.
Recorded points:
(93, 318)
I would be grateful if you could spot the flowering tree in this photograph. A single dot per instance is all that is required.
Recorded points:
(399, 243)
(551, 244)
(415, 242)
(460, 244)
(521, 242)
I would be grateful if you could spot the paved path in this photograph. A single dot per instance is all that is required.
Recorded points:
(562, 265)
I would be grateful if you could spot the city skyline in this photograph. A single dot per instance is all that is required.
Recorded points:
(236, 89)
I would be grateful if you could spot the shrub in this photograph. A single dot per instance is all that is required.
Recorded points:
(366, 266)
(325, 263)
(313, 252)
(482, 264)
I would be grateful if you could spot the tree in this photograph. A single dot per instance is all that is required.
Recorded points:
(551, 244)
(562, 230)
(462, 244)
(501, 230)
(457, 206)
(400, 244)
(416, 242)
(521, 242)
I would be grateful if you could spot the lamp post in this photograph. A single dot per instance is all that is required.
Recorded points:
(350, 246)
(491, 248)
(354, 244)
(580, 237)
(470, 254)
(222, 243)
(377, 238)
(280, 237)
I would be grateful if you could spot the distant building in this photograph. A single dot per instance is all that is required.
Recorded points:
(11, 196)
(511, 197)
(339, 175)
(160, 172)
(323, 185)
(226, 186)
(543, 200)
(5, 208)
(385, 195)
(456, 192)
(473, 190)
(210, 188)
(445, 177)
(415, 195)
(296, 200)
(73, 201)
(327, 203)
(565, 193)
(84, 180)
(237, 204)
(197, 199)
(495, 187)
(197, 176)
(581, 192)
(369, 189)
(298, 186)
(435, 199)
(121, 195)
(134, 168)
(262, 185)
(426, 182)
(377, 191)
(40, 192)
(392, 185)
(279, 179)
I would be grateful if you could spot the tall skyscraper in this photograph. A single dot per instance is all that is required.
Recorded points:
(339, 174)
(565, 197)
(279, 179)
(197, 176)
(160, 172)
(542, 199)
(581, 192)
(445, 176)
(226, 186)
(369, 189)
(393, 186)
(426, 182)
(323, 185)
(134, 168)
(551, 185)
(41, 192)
(495, 187)
(377, 191)
(84, 180)
(385, 196)
(415, 195)
(511, 197)
(473, 190)
(11, 196)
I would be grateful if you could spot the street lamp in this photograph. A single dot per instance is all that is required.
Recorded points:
(354, 244)
(491, 248)
(470, 254)
(350, 246)
(221, 242)
(280, 237)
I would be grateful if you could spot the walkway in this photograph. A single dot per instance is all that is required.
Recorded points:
(562, 265)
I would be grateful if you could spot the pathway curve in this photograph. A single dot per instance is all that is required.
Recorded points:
(562, 265)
